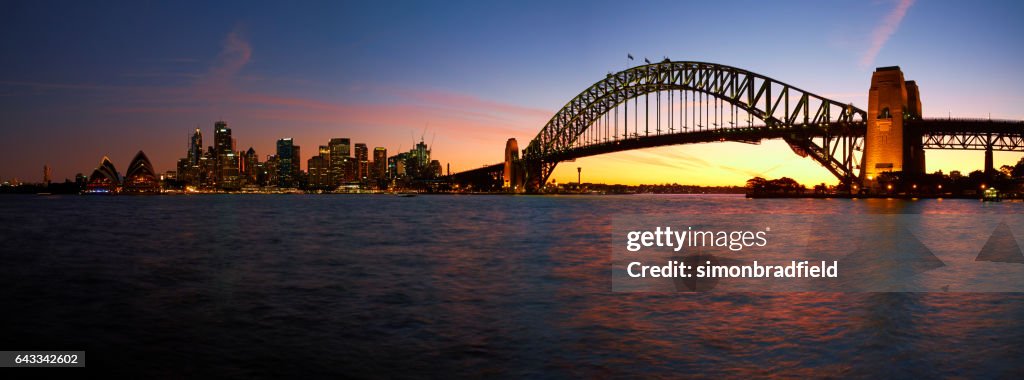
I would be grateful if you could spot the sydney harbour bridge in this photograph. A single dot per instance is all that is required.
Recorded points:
(678, 102)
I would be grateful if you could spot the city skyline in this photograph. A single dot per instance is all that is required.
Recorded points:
(223, 166)
(469, 74)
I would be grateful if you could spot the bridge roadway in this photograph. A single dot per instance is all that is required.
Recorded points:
(962, 134)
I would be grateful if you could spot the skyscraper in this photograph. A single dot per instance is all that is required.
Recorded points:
(195, 148)
(250, 164)
(271, 172)
(189, 168)
(185, 171)
(317, 168)
(227, 161)
(380, 162)
(339, 160)
(362, 162)
(222, 138)
(285, 158)
(208, 169)
(296, 164)
(325, 153)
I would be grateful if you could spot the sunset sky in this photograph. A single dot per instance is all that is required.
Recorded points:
(81, 80)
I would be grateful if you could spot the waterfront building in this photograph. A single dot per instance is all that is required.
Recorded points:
(340, 152)
(270, 172)
(362, 162)
(195, 148)
(380, 163)
(105, 178)
(141, 177)
(287, 153)
(250, 162)
(318, 169)
(227, 161)
(208, 169)
(433, 170)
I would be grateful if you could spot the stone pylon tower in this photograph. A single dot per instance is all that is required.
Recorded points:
(889, 146)
(514, 175)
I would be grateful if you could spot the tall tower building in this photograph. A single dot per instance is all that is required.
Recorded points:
(195, 147)
(285, 157)
(889, 147)
(362, 161)
(418, 160)
(380, 162)
(250, 163)
(224, 151)
(339, 160)
(222, 138)
(317, 169)
(296, 162)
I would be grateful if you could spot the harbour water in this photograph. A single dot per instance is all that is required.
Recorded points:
(354, 286)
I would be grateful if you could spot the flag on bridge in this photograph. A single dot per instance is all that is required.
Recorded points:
(647, 60)
(630, 56)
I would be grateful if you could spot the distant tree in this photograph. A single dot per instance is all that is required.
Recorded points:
(785, 184)
(757, 184)
(1006, 171)
(976, 176)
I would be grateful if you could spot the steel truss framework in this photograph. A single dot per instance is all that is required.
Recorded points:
(970, 134)
(826, 130)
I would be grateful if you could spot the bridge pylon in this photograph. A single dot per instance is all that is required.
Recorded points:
(889, 146)
(514, 173)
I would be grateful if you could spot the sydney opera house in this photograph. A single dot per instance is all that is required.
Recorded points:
(139, 179)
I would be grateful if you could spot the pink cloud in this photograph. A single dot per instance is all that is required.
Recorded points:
(880, 35)
(62, 86)
(462, 101)
(235, 54)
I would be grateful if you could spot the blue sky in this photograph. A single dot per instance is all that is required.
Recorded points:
(81, 80)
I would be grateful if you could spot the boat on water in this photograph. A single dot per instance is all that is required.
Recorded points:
(991, 195)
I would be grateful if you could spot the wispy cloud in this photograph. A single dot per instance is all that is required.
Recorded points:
(880, 35)
(234, 55)
(754, 172)
(663, 158)
(40, 86)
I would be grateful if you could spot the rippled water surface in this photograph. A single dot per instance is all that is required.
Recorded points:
(442, 286)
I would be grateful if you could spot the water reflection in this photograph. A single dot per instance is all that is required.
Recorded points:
(354, 286)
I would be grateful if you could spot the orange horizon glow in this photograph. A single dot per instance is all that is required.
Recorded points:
(732, 164)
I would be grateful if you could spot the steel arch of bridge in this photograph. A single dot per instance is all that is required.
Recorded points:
(797, 116)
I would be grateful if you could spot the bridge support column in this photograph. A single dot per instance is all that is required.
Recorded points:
(889, 147)
(534, 181)
(913, 154)
(513, 176)
(990, 170)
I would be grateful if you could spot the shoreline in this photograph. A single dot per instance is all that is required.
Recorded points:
(413, 194)
(873, 196)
